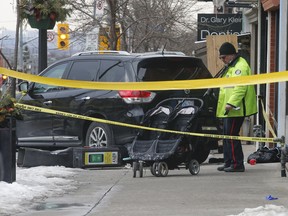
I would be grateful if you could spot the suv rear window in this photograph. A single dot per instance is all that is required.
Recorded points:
(168, 69)
(113, 71)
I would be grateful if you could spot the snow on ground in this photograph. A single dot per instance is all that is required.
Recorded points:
(34, 183)
(267, 210)
(38, 183)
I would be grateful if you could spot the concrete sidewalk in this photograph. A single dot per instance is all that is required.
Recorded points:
(210, 193)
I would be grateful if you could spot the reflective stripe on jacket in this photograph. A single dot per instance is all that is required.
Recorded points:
(242, 98)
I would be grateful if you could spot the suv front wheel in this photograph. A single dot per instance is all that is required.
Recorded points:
(99, 135)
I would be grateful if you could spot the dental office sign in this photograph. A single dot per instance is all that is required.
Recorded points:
(218, 24)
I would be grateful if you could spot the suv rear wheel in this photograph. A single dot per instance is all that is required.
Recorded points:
(99, 135)
(201, 153)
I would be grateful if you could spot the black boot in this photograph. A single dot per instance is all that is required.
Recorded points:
(235, 169)
(222, 168)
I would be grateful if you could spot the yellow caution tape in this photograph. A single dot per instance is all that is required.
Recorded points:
(50, 111)
(164, 85)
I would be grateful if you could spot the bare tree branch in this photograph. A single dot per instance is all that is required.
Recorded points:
(146, 25)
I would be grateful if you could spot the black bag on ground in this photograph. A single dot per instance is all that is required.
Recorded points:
(266, 155)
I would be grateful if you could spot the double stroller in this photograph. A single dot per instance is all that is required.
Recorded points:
(161, 150)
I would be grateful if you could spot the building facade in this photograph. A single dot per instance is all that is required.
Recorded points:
(265, 21)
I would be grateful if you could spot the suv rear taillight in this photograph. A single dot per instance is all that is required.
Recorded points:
(130, 96)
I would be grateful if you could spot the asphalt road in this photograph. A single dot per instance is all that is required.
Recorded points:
(115, 192)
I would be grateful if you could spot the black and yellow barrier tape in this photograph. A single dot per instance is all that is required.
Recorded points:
(216, 136)
(163, 85)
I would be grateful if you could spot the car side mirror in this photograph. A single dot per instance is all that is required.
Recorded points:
(23, 86)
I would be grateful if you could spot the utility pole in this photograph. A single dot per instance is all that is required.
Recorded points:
(13, 80)
(92, 38)
(21, 48)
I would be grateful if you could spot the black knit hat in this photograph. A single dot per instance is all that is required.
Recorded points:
(227, 49)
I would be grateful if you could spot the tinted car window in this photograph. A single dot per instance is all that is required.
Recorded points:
(112, 71)
(54, 72)
(84, 70)
(168, 69)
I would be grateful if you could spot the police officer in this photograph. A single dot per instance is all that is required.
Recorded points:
(234, 104)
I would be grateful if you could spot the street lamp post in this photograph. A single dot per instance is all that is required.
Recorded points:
(42, 50)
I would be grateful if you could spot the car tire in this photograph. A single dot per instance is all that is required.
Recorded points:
(201, 153)
(99, 135)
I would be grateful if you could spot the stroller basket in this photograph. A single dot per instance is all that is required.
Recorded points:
(142, 146)
(164, 146)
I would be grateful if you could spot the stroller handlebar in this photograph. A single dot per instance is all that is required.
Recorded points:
(177, 102)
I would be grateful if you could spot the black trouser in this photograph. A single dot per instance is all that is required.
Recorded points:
(232, 149)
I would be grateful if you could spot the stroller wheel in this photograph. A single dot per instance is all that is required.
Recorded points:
(194, 167)
(163, 169)
(154, 169)
(159, 169)
(134, 167)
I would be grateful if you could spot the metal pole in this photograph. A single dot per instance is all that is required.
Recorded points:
(282, 85)
(282, 67)
(8, 152)
(42, 50)
(20, 68)
(283, 158)
(258, 66)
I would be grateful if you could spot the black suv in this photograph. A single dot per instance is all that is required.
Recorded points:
(43, 130)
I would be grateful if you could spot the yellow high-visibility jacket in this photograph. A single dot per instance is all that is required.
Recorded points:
(242, 98)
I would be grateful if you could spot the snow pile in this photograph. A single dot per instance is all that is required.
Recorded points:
(267, 210)
(34, 184)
